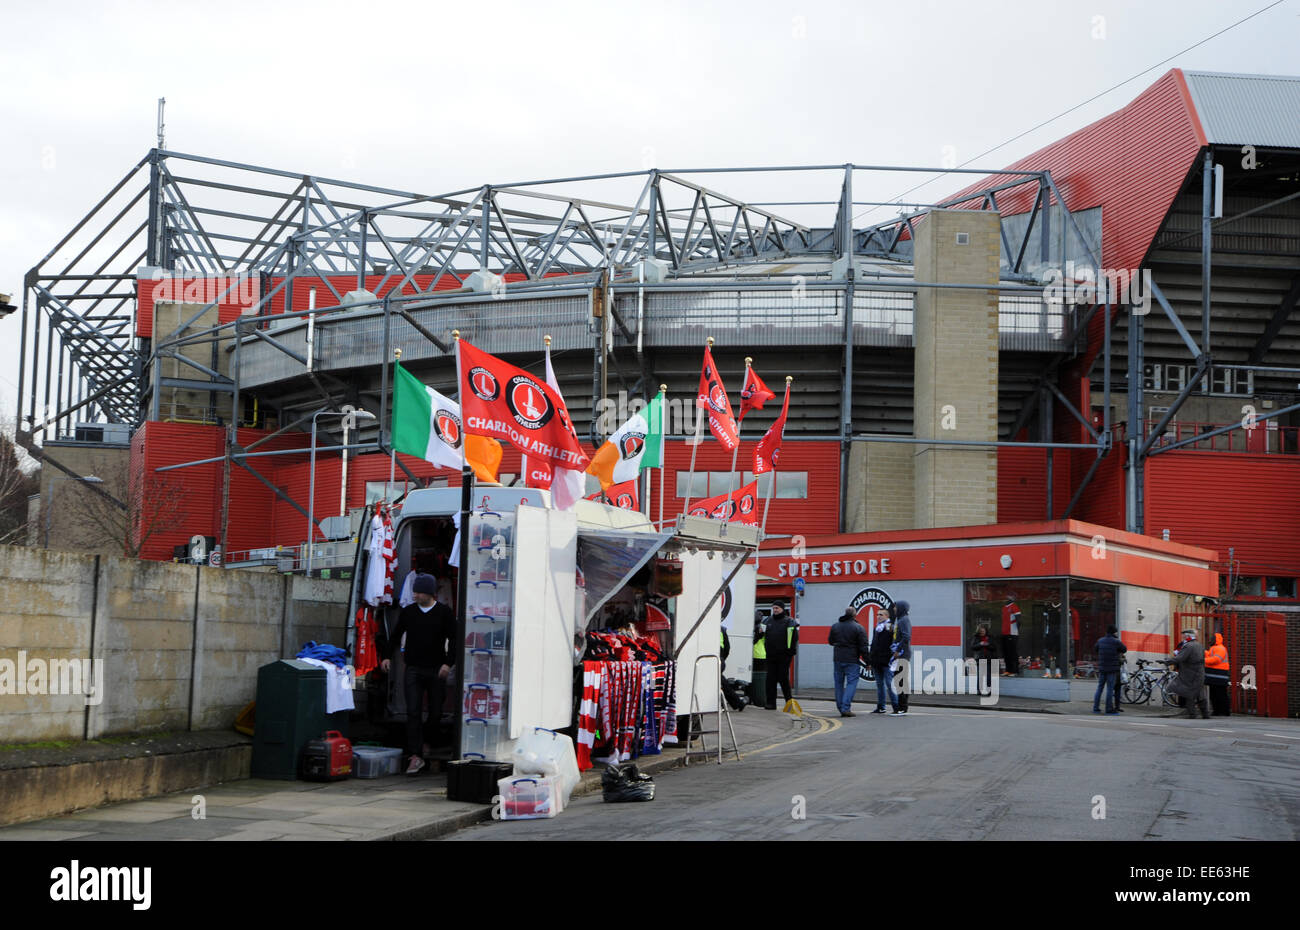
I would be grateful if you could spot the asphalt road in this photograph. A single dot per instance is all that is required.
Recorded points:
(941, 774)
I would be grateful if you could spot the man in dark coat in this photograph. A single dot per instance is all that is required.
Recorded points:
(1110, 659)
(1190, 682)
(902, 650)
(850, 642)
(781, 642)
(430, 629)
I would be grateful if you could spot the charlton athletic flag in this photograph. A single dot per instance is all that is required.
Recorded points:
(427, 425)
(738, 506)
(768, 450)
(713, 397)
(505, 402)
(622, 456)
(754, 394)
(623, 495)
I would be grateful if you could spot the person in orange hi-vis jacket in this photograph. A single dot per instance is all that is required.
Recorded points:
(1218, 677)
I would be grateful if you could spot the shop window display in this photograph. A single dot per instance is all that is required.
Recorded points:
(1024, 619)
(1092, 609)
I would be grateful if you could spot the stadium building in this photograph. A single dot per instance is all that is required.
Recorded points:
(1097, 342)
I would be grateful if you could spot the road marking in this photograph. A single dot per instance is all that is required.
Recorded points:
(824, 725)
(1275, 736)
(1134, 723)
(1220, 730)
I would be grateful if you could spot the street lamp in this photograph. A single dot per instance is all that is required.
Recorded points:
(349, 415)
(49, 503)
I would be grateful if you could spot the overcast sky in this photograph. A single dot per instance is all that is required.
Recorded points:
(436, 97)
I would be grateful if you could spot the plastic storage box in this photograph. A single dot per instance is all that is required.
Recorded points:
(530, 797)
(375, 761)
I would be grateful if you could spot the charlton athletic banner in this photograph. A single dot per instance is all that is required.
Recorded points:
(768, 451)
(737, 507)
(713, 398)
(753, 393)
(623, 496)
(505, 402)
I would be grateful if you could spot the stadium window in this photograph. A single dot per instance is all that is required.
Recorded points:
(694, 486)
(593, 485)
(382, 490)
(1280, 587)
(723, 482)
(764, 483)
(791, 484)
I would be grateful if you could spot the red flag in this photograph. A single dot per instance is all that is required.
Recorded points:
(504, 402)
(754, 393)
(624, 495)
(768, 450)
(713, 397)
(738, 506)
(537, 473)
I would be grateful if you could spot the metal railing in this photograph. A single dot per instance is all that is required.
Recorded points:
(1264, 437)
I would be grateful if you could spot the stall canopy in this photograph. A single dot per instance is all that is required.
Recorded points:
(610, 558)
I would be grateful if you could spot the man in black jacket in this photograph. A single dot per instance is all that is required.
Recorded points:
(1110, 651)
(430, 629)
(850, 641)
(782, 642)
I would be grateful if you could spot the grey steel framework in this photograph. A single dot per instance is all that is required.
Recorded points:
(576, 239)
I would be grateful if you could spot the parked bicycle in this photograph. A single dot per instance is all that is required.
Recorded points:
(1149, 678)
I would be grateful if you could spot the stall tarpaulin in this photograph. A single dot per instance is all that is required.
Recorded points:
(609, 558)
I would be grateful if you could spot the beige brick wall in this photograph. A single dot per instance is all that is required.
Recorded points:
(880, 487)
(956, 370)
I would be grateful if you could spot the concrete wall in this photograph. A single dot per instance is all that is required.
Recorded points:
(46, 612)
(956, 369)
(179, 646)
(1157, 618)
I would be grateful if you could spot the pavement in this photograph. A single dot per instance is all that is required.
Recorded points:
(399, 807)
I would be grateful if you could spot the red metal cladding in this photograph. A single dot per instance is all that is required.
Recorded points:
(1131, 163)
(1022, 484)
(1244, 501)
(819, 512)
(234, 295)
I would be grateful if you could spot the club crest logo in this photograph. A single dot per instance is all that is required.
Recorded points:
(447, 425)
(484, 384)
(776, 455)
(624, 500)
(527, 402)
(717, 398)
(747, 504)
(870, 606)
(724, 510)
(631, 445)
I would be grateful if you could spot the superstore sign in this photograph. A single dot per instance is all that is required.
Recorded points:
(834, 568)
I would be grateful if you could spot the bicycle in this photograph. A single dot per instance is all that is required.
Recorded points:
(1144, 682)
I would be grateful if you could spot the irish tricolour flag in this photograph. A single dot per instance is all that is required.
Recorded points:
(637, 444)
(427, 426)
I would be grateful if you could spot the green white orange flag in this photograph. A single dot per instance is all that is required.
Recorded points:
(427, 426)
(635, 445)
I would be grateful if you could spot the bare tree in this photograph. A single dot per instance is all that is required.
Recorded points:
(19, 480)
(155, 503)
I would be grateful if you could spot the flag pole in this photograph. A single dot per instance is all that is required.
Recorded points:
(735, 453)
(695, 446)
(772, 489)
(392, 453)
(462, 568)
(663, 466)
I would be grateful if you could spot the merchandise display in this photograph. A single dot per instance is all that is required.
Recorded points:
(628, 704)
(485, 709)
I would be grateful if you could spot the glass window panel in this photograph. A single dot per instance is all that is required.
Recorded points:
(382, 490)
(723, 482)
(791, 484)
(691, 485)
